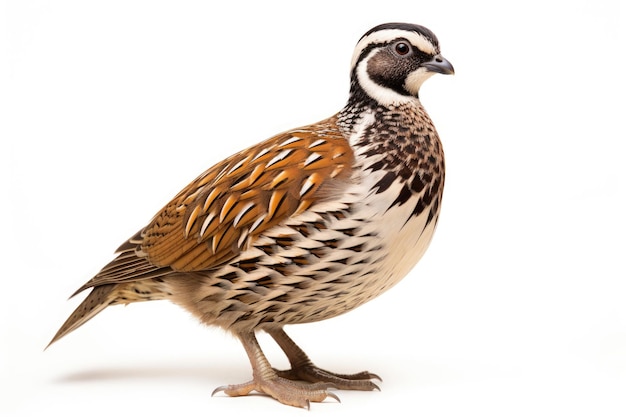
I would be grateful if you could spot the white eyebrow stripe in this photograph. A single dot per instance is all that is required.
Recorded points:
(388, 35)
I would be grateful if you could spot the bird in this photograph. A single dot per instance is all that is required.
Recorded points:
(304, 226)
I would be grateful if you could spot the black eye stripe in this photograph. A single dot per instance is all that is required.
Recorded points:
(391, 43)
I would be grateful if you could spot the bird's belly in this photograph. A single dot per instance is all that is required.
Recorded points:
(318, 265)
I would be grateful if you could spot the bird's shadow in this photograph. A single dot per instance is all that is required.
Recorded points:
(219, 373)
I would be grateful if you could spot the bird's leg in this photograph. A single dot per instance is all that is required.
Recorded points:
(304, 370)
(266, 381)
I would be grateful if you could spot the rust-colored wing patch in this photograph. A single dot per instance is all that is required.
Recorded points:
(217, 215)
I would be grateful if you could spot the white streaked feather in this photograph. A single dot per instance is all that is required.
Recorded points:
(242, 212)
(206, 223)
(316, 143)
(306, 187)
(261, 153)
(237, 165)
(284, 154)
(242, 238)
(312, 158)
(289, 141)
(257, 223)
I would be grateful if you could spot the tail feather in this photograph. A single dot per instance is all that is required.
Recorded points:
(100, 297)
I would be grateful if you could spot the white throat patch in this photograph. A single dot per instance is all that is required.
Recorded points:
(415, 80)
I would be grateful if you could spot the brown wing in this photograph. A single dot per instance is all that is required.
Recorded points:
(216, 216)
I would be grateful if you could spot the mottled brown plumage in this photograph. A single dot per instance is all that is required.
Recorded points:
(307, 225)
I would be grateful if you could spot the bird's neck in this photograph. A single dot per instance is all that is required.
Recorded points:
(361, 113)
(362, 108)
(400, 141)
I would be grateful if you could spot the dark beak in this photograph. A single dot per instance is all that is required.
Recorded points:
(440, 65)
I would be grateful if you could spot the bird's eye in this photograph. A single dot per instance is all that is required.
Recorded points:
(402, 48)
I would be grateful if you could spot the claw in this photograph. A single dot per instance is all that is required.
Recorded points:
(219, 389)
(374, 376)
(332, 395)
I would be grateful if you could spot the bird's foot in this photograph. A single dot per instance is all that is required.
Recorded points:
(286, 391)
(311, 373)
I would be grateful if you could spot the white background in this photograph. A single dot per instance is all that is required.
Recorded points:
(518, 308)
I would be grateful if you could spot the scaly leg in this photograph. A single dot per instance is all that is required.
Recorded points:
(303, 369)
(265, 380)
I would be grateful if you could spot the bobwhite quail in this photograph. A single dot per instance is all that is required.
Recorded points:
(302, 227)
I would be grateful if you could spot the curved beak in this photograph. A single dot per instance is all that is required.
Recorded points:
(439, 65)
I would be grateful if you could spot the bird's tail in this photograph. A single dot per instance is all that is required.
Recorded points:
(100, 297)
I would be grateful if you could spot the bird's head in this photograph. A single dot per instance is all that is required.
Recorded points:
(392, 61)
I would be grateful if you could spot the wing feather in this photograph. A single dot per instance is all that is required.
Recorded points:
(227, 207)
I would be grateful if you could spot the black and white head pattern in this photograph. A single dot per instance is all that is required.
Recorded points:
(389, 62)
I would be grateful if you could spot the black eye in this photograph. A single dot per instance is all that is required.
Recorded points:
(402, 48)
